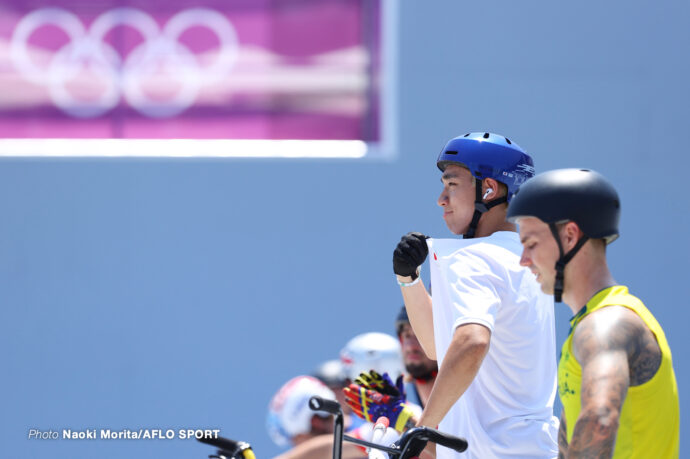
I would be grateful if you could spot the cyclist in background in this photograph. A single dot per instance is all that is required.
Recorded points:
(420, 371)
(332, 374)
(405, 398)
(291, 423)
(381, 353)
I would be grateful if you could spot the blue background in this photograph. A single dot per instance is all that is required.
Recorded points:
(183, 293)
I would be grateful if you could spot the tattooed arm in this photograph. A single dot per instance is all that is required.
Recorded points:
(562, 438)
(616, 350)
(600, 344)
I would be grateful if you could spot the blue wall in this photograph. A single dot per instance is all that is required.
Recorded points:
(183, 293)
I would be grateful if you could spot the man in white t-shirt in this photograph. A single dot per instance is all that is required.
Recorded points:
(489, 326)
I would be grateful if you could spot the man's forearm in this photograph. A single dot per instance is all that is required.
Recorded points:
(461, 363)
(600, 344)
(562, 438)
(594, 437)
(418, 306)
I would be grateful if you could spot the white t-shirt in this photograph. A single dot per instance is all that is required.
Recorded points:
(507, 411)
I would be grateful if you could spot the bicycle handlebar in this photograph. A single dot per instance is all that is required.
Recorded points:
(458, 444)
(422, 433)
(317, 403)
(430, 434)
(231, 447)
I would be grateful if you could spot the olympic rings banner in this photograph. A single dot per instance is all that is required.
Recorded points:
(223, 69)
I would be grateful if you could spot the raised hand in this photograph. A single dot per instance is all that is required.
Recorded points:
(409, 254)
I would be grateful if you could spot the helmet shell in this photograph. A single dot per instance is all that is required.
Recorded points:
(372, 351)
(488, 155)
(580, 195)
(331, 373)
(289, 413)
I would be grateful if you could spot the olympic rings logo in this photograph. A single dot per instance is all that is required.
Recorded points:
(160, 54)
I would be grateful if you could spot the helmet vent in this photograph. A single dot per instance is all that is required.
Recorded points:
(450, 152)
(486, 135)
(466, 134)
(508, 140)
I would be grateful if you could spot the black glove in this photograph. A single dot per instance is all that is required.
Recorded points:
(415, 448)
(410, 254)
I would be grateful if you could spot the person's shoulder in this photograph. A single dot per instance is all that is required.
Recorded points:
(498, 252)
(612, 317)
(621, 330)
(500, 242)
(610, 327)
(493, 257)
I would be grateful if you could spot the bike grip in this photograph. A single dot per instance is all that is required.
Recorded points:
(225, 443)
(449, 441)
(317, 403)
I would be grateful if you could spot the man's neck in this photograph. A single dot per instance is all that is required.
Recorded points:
(584, 279)
(493, 221)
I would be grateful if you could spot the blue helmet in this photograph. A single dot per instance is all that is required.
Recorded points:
(488, 155)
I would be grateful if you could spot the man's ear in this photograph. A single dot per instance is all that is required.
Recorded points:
(494, 186)
(570, 234)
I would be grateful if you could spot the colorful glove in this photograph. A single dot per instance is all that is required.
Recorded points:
(373, 395)
(382, 383)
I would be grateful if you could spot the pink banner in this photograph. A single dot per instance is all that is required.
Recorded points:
(225, 69)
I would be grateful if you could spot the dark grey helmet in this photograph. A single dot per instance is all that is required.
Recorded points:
(579, 195)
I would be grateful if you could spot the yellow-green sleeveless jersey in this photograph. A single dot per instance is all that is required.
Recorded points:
(649, 425)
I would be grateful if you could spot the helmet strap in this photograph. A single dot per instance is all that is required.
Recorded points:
(479, 208)
(562, 261)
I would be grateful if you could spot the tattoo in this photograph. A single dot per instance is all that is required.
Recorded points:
(600, 344)
(625, 330)
(592, 439)
(644, 357)
(562, 438)
(616, 350)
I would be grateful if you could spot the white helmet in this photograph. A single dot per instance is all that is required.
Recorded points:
(331, 373)
(289, 413)
(372, 351)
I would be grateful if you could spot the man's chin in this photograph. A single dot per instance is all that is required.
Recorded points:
(456, 231)
(420, 371)
(453, 228)
(548, 289)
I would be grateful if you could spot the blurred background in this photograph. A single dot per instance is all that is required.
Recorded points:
(182, 293)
